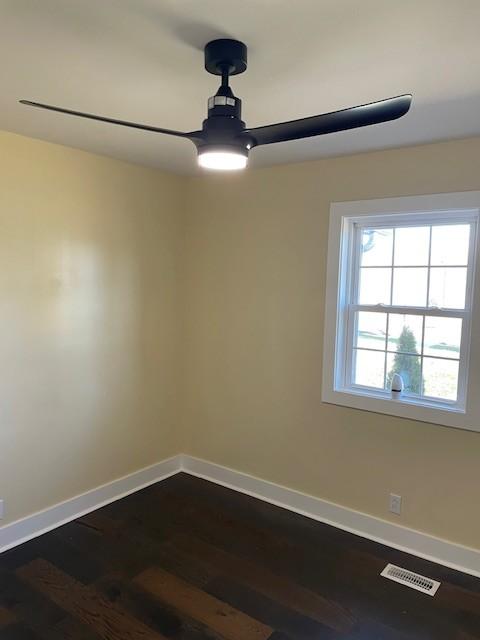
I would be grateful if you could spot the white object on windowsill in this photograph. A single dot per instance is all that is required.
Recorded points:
(397, 386)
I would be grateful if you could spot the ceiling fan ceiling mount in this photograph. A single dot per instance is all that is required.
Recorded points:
(225, 54)
(224, 141)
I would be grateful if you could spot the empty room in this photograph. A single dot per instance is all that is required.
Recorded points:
(240, 313)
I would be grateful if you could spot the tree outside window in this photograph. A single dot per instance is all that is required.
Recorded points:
(406, 365)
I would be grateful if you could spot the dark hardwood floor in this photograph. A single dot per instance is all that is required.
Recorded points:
(188, 560)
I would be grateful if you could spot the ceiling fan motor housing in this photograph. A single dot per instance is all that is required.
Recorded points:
(226, 134)
(224, 129)
(224, 105)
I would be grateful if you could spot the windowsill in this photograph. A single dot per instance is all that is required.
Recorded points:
(405, 399)
(405, 408)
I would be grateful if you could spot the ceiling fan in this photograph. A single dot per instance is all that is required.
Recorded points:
(224, 141)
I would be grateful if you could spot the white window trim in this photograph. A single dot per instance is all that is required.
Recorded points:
(342, 217)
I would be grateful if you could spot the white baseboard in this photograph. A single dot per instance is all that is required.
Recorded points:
(38, 523)
(393, 535)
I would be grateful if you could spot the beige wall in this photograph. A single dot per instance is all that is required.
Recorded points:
(255, 254)
(88, 317)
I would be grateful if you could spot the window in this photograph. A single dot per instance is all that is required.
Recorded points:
(400, 307)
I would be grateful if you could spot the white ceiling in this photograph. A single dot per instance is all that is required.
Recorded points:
(142, 60)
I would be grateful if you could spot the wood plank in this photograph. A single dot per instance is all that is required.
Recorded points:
(272, 585)
(69, 629)
(269, 612)
(111, 544)
(462, 635)
(18, 631)
(6, 617)
(27, 604)
(454, 597)
(155, 614)
(108, 621)
(215, 614)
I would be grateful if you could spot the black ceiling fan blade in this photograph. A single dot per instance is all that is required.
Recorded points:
(124, 123)
(352, 118)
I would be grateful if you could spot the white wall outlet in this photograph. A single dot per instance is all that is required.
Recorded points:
(395, 503)
(1, 509)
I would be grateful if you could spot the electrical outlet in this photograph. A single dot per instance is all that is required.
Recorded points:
(395, 505)
(1, 509)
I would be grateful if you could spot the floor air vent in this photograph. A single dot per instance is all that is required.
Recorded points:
(410, 579)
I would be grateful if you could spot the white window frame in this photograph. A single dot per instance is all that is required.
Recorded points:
(345, 218)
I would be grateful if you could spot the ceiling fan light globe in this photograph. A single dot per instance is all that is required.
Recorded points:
(222, 160)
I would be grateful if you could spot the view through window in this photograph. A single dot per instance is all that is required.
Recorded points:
(408, 307)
